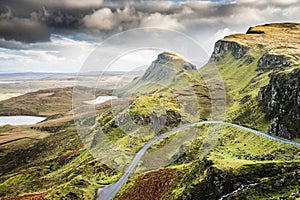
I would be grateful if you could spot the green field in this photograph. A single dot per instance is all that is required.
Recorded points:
(50, 159)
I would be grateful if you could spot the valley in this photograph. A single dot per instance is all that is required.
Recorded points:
(157, 137)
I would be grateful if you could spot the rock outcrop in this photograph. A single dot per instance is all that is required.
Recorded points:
(157, 123)
(166, 66)
(273, 61)
(281, 99)
(251, 30)
(222, 47)
(273, 48)
(215, 184)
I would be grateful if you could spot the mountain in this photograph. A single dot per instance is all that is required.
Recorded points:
(260, 72)
(168, 70)
(265, 61)
(165, 94)
(164, 67)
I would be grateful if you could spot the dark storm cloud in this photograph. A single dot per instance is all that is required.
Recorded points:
(30, 20)
(25, 7)
(78, 26)
(58, 18)
(103, 18)
(21, 29)
(189, 15)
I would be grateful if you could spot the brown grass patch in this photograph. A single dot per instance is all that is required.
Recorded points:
(278, 38)
(38, 196)
(150, 186)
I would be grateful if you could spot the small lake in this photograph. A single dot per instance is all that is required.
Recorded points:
(20, 120)
(101, 99)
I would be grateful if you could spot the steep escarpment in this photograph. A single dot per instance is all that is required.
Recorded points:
(278, 44)
(281, 98)
(261, 74)
(255, 67)
(275, 39)
(222, 47)
(259, 69)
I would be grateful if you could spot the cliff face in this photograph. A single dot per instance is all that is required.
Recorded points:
(273, 50)
(238, 51)
(222, 47)
(271, 62)
(281, 99)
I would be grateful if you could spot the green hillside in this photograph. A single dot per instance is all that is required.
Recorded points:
(247, 63)
(260, 70)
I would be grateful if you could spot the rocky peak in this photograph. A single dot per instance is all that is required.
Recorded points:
(166, 56)
(165, 65)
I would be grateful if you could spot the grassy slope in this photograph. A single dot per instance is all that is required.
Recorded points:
(150, 96)
(47, 102)
(243, 157)
(277, 38)
(51, 158)
(239, 155)
(62, 165)
(243, 82)
(58, 163)
(43, 103)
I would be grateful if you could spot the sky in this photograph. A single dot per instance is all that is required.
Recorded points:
(59, 35)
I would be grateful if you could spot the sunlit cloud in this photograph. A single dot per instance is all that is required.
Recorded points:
(71, 29)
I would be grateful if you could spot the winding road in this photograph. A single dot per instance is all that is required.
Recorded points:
(108, 192)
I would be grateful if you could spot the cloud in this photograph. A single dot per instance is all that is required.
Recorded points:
(107, 19)
(24, 30)
(60, 54)
(222, 33)
(25, 23)
(161, 21)
(189, 15)
(103, 19)
(111, 16)
(21, 29)
(77, 3)
(27, 6)
(58, 19)
(265, 3)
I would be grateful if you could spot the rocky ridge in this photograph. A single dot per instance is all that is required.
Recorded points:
(166, 66)
(277, 51)
(222, 47)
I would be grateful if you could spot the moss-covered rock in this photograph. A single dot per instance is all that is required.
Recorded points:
(281, 100)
